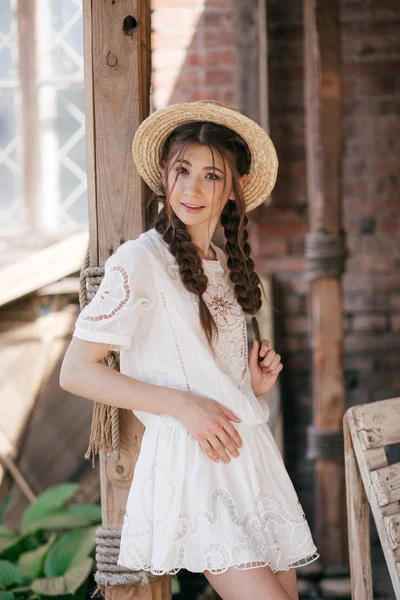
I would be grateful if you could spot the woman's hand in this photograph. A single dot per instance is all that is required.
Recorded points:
(208, 422)
(263, 373)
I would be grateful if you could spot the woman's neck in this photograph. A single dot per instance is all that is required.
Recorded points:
(203, 243)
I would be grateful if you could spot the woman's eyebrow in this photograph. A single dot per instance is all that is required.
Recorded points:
(204, 168)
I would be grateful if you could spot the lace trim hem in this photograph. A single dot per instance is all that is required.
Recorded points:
(301, 562)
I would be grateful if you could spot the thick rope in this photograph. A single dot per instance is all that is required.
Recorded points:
(108, 571)
(324, 443)
(325, 255)
(104, 434)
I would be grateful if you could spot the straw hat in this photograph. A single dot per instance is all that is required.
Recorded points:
(152, 132)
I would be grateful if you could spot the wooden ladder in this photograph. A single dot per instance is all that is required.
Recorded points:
(372, 481)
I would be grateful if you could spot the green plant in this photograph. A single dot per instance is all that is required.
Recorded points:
(53, 553)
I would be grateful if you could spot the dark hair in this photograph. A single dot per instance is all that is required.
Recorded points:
(234, 152)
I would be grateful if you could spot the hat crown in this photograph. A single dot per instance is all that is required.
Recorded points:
(216, 103)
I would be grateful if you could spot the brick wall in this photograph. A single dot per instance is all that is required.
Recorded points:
(194, 51)
(371, 186)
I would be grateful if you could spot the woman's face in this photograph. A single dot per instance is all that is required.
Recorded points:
(191, 198)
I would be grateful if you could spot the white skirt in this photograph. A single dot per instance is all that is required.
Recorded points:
(186, 511)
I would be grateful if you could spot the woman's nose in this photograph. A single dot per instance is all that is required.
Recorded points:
(192, 185)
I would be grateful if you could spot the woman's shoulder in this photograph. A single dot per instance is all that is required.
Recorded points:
(145, 249)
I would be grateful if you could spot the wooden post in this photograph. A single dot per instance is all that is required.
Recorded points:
(323, 105)
(117, 91)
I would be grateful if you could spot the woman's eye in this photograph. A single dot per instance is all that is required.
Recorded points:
(180, 169)
(214, 176)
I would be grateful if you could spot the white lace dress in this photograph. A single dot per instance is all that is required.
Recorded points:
(183, 509)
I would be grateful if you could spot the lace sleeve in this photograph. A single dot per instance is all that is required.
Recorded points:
(126, 291)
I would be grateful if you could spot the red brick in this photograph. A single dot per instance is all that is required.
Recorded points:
(395, 322)
(367, 301)
(292, 304)
(394, 301)
(163, 40)
(370, 322)
(293, 344)
(358, 342)
(360, 282)
(388, 224)
(272, 247)
(223, 57)
(370, 68)
(297, 325)
(284, 229)
(156, 4)
(278, 265)
(218, 39)
(370, 263)
(359, 363)
(175, 20)
(390, 361)
(219, 77)
(380, 85)
(167, 78)
(222, 19)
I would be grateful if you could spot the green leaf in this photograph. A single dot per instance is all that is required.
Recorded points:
(30, 564)
(21, 588)
(70, 551)
(90, 511)
(8, 538)
(62, 519)
(9, 574)
(6, 596)
(8, 542)
(50, 501)
(66, 584)
(175, 587)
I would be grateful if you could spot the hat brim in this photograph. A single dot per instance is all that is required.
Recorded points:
(152, 132)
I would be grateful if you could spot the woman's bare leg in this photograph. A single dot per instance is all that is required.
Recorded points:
(288, 580)
(258, 583)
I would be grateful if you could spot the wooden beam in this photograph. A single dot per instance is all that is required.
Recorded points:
(117, 91)
(323, 106)
(42, 267)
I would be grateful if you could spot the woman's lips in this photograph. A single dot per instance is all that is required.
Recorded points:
(190, 209)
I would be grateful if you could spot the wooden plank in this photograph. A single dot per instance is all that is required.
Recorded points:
(357, 523)
(27, 354)
(386, 482)
(43, 267)
(392, 528)
(117, 86)
(323, 105)
(390, 557)
(63, 417)
(378, 423)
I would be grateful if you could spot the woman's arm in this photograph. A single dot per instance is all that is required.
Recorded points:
(82, 373)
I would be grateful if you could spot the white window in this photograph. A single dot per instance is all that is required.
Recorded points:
(42, 127)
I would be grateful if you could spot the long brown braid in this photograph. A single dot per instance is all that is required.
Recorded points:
(235, 152)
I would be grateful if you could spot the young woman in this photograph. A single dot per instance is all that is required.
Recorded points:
(210, 491)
